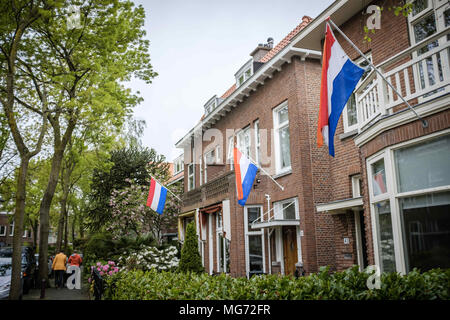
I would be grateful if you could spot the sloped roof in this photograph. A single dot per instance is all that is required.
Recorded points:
(269, 55)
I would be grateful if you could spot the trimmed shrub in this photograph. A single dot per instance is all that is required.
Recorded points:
(190, 257)
(346, 285)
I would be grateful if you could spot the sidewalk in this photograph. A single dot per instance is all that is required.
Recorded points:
(59, 294)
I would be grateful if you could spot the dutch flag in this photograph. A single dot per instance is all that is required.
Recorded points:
(339, 78)
(156, 196)
(245, 173)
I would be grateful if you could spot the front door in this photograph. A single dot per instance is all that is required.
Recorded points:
(290, 249)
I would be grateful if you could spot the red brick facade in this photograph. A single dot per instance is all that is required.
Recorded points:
(329, 238)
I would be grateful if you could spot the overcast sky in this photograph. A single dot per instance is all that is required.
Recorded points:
(196, 47)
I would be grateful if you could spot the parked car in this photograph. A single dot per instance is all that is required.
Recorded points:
(27, 274)
(5, 278)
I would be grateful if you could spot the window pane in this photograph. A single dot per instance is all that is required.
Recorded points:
(385, 237)
(423, 166)
(255, 253)
(252, 215)
(425, 27)
(426, 229)
(378, 178)
(419, 6)
(289, 210)
(285, 150)
(447, 17)
(352, 119)
(283, 115)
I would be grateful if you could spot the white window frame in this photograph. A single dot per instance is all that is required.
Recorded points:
(230, 157)
(393, 196)
(257, 143)
(3, 233)
(178, 162)
(219, 234)
(248, 233)
(436, 7)
(347, 127)
(277, 127)
(278, 208)
(248, 66)
(356, 186)
(191, 175)
(240, 135)
(11, 232)
(201, 170)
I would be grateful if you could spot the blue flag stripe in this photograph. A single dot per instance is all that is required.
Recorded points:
(162, 200)
(343, 86)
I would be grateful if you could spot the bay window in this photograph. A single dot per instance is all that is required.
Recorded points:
(410, 204)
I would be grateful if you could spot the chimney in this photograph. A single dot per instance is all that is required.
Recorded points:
(261, 50)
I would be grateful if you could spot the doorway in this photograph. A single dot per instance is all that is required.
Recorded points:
(289, 249)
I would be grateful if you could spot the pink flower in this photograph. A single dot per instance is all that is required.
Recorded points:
(101, 273)
(116, 269)
(105, 267)
(110, 273)
(98, 269)
(98, 264)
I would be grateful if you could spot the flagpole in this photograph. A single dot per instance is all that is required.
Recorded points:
(167, 188)
(252, 161)
(424, 122)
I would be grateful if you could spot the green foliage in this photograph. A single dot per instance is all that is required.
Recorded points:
(346, 285)
(133, 163)
(404, 8)
(102, 247)
(190, 257)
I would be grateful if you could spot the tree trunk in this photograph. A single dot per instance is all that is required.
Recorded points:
(44, 213)
(18, 229)
(59, 236)
(35, 233)
(66, 231)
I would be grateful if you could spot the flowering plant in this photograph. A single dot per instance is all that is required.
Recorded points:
(105, 270)
(149, 257)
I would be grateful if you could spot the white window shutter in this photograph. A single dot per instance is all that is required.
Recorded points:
(226, 219)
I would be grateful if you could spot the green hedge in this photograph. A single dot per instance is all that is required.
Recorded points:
(346, 285)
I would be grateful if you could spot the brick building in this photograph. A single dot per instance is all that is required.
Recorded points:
(7, 231)
(382, 200)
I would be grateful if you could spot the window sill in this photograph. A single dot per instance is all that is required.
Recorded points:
(348, 134)
(282, 174)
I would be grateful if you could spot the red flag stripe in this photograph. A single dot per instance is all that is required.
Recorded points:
(151, 192)
(323, 109)
(237, 173)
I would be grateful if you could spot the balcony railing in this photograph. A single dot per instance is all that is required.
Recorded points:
(417, 74)
(209, 192)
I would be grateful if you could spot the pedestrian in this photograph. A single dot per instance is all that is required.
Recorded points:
(75, 260)
(59, 266)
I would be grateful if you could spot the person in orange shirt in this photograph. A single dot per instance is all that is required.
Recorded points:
(75, 259)
(59, 266)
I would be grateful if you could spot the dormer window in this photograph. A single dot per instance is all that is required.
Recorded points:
(244, 73)
(211, 104)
